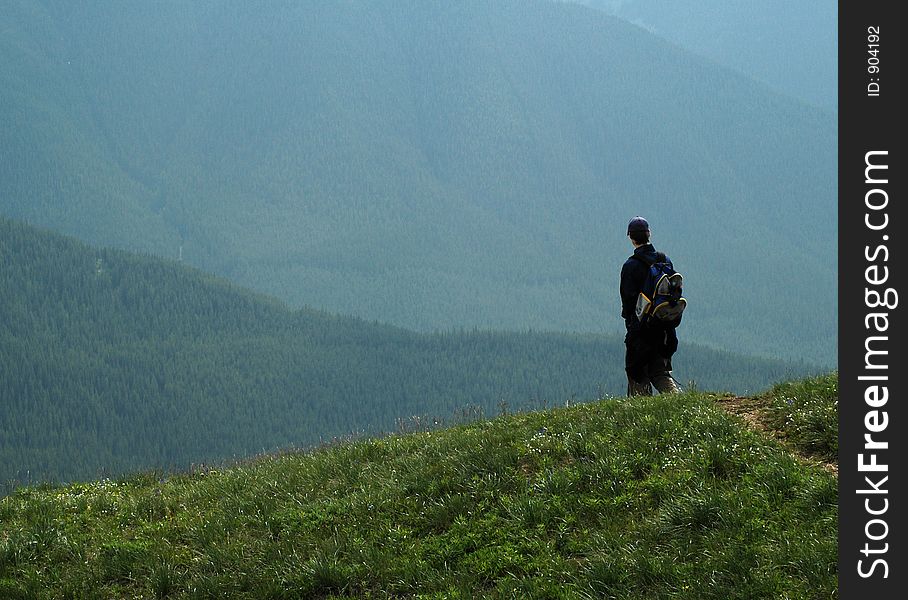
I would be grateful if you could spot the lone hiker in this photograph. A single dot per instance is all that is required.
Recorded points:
(650, 344)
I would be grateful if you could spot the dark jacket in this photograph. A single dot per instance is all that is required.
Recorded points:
(633, 277)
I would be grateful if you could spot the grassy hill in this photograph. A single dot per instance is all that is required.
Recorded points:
(662, 497)
(111, 361)
(433, 165)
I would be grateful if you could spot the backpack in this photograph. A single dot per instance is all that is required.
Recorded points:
(660, 300)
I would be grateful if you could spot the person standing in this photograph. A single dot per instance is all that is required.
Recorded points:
(649, 345)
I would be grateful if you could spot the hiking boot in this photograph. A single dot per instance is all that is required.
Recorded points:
(666, 384)
(637, 388)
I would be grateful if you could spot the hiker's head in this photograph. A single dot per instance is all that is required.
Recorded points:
(638, 231)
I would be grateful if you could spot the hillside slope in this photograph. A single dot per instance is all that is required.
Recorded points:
(428, 164)
(640, 498)
(753, 37)
(111, 361)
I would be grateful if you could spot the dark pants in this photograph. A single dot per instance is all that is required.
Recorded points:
(648, 361)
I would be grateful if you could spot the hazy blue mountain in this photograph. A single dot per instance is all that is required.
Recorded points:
(792, 46)
(111, 361)
(427, 164)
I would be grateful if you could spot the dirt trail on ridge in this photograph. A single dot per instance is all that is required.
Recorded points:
(754, 413)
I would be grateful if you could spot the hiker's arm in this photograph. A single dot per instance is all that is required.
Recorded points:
(629, 289)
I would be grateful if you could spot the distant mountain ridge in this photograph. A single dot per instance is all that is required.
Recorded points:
(793, 46)
(427, 164)
(113, 362)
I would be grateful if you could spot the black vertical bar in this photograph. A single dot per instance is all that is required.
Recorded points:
(872, 271)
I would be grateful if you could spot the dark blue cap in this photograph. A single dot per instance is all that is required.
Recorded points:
(637, 224)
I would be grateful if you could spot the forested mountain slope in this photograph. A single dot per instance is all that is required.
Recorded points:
(793, 46)
(428, 164)
(111, 361)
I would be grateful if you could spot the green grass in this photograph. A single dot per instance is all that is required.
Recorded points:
(663, 497)
(806, 412)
